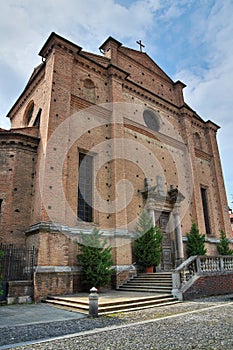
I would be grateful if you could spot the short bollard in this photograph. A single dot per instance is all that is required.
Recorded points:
(93, 302)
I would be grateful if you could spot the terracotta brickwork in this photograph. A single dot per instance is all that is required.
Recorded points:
(210, 285)
(52, 283)
(17, 174)
(105, 104)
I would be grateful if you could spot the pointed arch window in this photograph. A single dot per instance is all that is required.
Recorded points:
(28, 113)
(37, 119)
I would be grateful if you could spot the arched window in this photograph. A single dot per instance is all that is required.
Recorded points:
(28, 113)
(37, 119)
(197, 140)
(151, 120)
(89, 90)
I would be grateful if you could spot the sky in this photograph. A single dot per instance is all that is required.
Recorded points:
(191, 40)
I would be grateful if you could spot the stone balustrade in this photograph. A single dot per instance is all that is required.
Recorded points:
(195, 266)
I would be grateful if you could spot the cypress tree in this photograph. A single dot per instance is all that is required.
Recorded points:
(95, 259)
(195, 242)
(223, 245)
(148, 243)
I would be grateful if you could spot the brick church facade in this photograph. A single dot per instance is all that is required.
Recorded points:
(94, 140)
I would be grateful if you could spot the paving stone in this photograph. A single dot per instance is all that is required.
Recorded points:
(205, 330)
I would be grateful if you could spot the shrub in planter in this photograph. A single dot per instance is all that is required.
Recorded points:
(147, 246)
(95, 259)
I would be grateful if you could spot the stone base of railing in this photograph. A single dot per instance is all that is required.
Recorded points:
(210, 285)
(201, 276)
(121, 274)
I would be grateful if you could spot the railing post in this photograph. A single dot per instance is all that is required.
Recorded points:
(221, 263)
(198, 262)
(93, 302)
(176, 286)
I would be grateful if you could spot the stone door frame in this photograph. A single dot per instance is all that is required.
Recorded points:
(158, 203)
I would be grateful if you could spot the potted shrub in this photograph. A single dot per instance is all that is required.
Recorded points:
(95, 259)
(147, 246)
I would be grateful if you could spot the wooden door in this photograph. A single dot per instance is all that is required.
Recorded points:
(167, 256)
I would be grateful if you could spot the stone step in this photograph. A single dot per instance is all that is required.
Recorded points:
(158, 284)
(156, 275)
(149, 282)
(144, 280)
(137, 305)
(67, 305)
(84, 302)
(145, 290)
(145, 286)
(113, 306)
(162, 273)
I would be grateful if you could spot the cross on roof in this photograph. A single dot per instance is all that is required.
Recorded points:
(139, 42)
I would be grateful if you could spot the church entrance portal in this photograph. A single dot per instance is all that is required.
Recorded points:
(167, 260)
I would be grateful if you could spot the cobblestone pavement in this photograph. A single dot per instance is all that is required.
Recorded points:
(205, 324)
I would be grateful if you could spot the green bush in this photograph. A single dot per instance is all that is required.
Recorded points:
(223, 245)
(195, 242)
(95, 259)
(147, 246)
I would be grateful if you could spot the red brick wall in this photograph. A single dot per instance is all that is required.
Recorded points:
(17, 173)
(210, 285)
(60, 92)
(52, 284)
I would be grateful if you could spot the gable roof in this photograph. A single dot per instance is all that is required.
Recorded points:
(146, 61)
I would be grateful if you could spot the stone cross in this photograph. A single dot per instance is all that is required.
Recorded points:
(139, 42)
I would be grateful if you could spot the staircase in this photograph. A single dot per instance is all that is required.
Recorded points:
(152, 290)
(149, 282)
(112, 306)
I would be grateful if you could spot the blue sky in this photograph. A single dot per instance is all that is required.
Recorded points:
(191, 40)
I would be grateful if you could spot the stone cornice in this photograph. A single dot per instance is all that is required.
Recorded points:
(212, 126)
(55, 40)
(144, 93)
(57, 269)
(73, 231)
(117, 72)
(13, 140)
(95, 67)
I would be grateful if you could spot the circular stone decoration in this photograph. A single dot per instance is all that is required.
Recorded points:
(151, 120)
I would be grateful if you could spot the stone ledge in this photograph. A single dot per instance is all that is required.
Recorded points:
(72, 231)
(55, 269)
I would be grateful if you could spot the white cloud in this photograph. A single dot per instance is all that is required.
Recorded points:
(24, 27)
(210, 90)
(199, 45)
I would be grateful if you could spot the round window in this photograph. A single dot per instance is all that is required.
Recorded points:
(151, 120)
